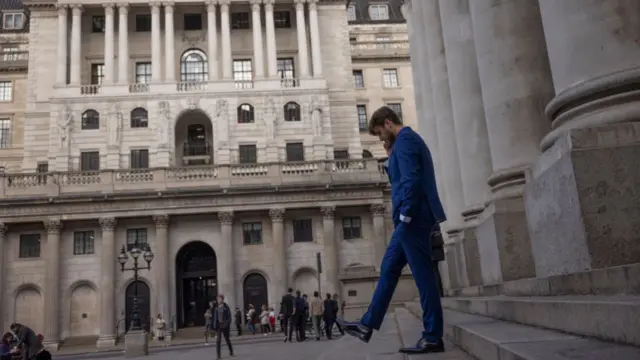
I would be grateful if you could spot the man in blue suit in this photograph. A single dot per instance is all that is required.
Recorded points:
(417, 211)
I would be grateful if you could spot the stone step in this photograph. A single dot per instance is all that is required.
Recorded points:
(610, 318)
(490, 339)
(80, 341)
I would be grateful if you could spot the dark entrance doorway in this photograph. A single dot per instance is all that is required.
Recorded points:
(144, 304)
(255, 291)
(196, 277)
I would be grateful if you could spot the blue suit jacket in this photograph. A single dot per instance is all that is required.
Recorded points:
(414, 193)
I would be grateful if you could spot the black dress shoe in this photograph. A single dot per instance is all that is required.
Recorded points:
(423, 347)
(356, 329)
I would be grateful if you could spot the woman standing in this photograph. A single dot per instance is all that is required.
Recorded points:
(264, 320)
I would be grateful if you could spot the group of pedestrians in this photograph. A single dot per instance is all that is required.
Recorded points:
(23, 343)
(296, 311)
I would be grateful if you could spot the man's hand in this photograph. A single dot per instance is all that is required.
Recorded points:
(387, 147)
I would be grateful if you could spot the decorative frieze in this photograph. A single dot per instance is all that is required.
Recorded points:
(226, 217)
(107, 223)
(378, 209)
(328, 212)
(3, 229)
(276, 214)
(53, 226)
(161, 221)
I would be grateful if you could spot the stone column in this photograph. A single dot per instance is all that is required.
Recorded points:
(76, 43)
(169, 42)
(281, 275)
(379, 233)
(225, 28)
(61, 68)
(109, 38)
(212, 40)
(516, 85)
(330, 259)
(272, 57)
(314, 30)
(123, 44)
(52, 283)
(162, 266)
(443, 111)
(303, 50)
(3, 234)
(107, 289)
(156, 51)
(227, 274)
(258, 57)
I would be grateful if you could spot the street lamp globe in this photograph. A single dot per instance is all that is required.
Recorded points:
(148, 255)
(123, 257)
(135, 253)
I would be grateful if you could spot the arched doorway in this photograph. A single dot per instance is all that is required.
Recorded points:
(193, 138)
(144, 303)
(305, 280)
(255, 291)
(196, 280)
(29, 308)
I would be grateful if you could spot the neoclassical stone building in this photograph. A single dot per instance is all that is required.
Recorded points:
(221, 134)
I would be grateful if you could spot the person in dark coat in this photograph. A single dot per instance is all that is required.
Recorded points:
(6, 348)
(29, 343)
(286, 309)
(221, 322)
(330, 312)
(297, 320)
(239, 317)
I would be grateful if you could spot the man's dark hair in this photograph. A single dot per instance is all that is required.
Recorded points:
(14, 327)
(329, 296)
(290, 290)
(221, 296)
(316, 294)
(380, 115)
(297, 292)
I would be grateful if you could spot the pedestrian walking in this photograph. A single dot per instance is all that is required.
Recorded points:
(286, 309)
(222, 324)
(239, 316)
(317, 310)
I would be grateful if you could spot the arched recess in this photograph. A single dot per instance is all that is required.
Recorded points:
(29, 306)
(255, 290)
(90, 120)
(140, 291)
(193, 138)
(196, 282)
(366, 154)
(194, 66)
(139, 118)
(292, 111)
(306, 280)
(246, 114)
(83, 302)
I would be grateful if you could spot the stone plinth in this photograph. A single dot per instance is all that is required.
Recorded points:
(105, 342)
(136, 343)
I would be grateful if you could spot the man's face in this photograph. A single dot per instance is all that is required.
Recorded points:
(385, 132)
(219, 300)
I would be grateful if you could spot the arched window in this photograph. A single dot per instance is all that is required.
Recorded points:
(246, 114)
(194, 66)
(139, 118)
(90, 120)
(366, 154)
(292, 112)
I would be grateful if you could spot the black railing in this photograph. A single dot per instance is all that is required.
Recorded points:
(197, 148)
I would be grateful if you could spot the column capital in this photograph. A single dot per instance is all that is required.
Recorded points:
(168, 5)
(268, 5)
(155, 5)
(3, 229)
(224, 4)
(299, 4)
(122, 6)
(226, 217)
(53, 226)
(76, 9)
(276, 214)
(108, 8)
(161, 221)
(107, 223)
(268, 2)
(378, 209)
(211, 4)
(255, 5)
(328, 212)
(313, 4)
(62, 9)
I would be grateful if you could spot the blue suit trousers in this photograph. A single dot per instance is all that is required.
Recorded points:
(411, 243)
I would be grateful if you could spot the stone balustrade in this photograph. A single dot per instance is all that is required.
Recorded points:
(380, 48)
(14, 60)
(105, 182)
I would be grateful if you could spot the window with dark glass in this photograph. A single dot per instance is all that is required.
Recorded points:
(136, 238)
(366, 154)
(143, 22)
(140, 159)
(97, 23)
(42, 168)
(196, 141)
(194, 66)
(13, 20)
(252, 233)
(29, 246)
(89, 161)
(397, 108)
(302, 230)
(90, 120)
(247, 154)
(240, 20)
(5, 133)
(282, 19)
(341, 154)
(143, 72)
(97, 74)
(246, 115)
(83, 242)
(358, 79)
(295, 152)
(243, 74)
(363, 122)
(287, 72)
(192, 22)
(292, 112)
(139, 118)
(351, 228)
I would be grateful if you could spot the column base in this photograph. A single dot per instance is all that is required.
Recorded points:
(106, 341)
(469, 245)
(136, 343)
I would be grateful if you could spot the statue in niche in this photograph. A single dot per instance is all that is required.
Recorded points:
(270, 117)
(164, 120)
(115, 124)
(315, 109)
(222, 118)
(64, 124)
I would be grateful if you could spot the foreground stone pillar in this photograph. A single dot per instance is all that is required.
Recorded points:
(161, 269)
(3, 234)
(330, 260)
(516, 85)
(227, 275)
(280, 272)
(107, 289)
(581, 199)
(52, 284)
(379, 233)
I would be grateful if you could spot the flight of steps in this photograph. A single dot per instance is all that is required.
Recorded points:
(592, 315)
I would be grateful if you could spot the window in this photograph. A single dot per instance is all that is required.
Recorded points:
(351, 13)
(6, 90)
(302, 230)
(282, 19)
(10, 53)
(363, 122)
(351, 228)
(286, 72)
(341, 154)
(97, 74)
(378, 12)
(358, 79)
(139, 159)
(397, 108)
(97, 23)
(89, 161)
(143, 73)
(292, 112)
(247, 154)
(143, 22)
(390, 78)
(42, 168)
(13, 21)
(366, 154)
(252, 233)
(5, 133)
(243, 74)
(29, 246)
(136, 238)
(352, 293)
(240, 20)
(246, 115)
(90, 120)
(139, 118)
(192, 22)
(194, 66)
(295, 152)
(83, 242)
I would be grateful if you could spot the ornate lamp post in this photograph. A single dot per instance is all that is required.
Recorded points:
(122, 259)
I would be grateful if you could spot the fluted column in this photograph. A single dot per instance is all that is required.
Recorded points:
(272, 57)
(301, 29)
(468, 110)
(76, 43)
(212, 39)
(331, 263)
(3, 234)
(52, 283)
(169, 45)
(279, 252)
(61, 68)
(156, 51)
(379, 238)
(258, 57)
(109, 38)
(162, 265)
(227, 274)
(226, 39)
(107, 283)
(123, 44)
(314, 30)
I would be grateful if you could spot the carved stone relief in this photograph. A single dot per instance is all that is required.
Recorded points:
(270, 117)
(114, 124)
(163, 123)
(222, 119)
(315, 109)
(65, 124)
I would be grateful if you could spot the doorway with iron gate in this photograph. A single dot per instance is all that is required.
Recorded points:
(196, 280)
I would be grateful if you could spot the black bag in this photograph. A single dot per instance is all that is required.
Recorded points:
(437, 244)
